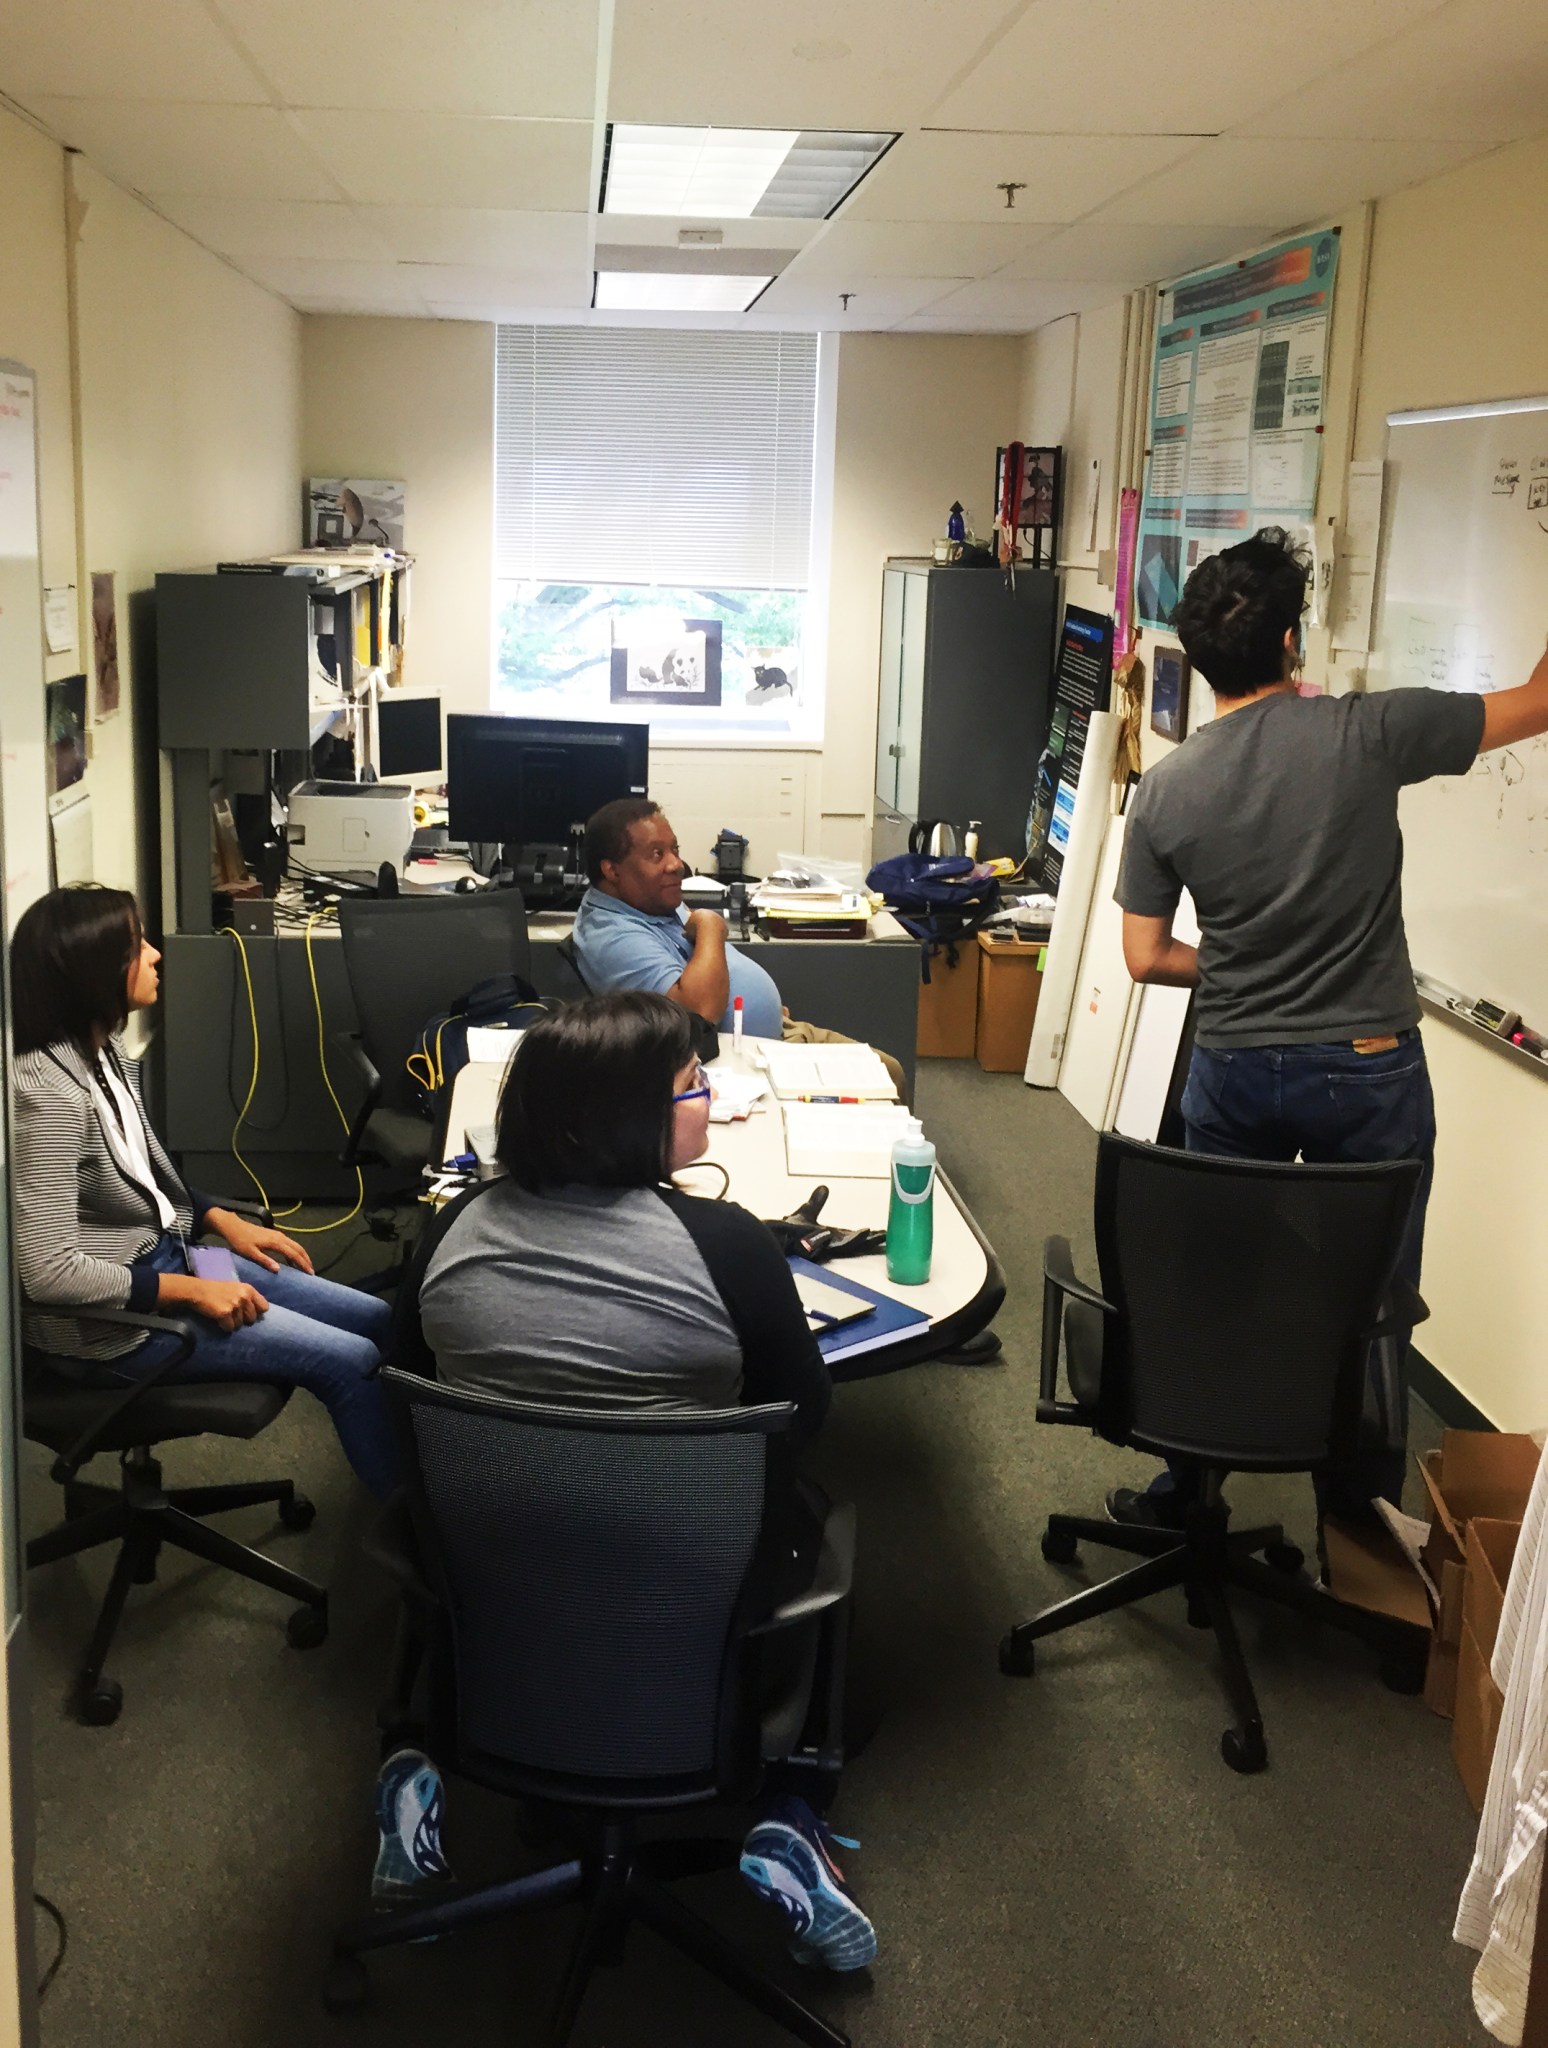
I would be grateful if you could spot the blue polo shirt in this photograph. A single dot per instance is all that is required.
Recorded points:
(620, 947)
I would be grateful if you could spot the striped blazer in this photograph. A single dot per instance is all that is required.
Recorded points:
(79, 1220)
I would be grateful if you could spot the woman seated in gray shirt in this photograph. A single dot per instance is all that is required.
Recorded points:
(586, 1279)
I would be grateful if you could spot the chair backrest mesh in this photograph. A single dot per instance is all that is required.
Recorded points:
(1245, 1293)
(408, 958)
(593, 1577)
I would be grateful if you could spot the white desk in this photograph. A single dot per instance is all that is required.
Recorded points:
(965, 1287)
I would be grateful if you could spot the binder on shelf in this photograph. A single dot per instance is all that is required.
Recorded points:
(886, 1321)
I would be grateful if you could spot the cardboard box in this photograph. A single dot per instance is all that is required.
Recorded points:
(1367, 1569)
(1010, 979)
(1485, 1473)
(1491, 1545)
(948, 1008)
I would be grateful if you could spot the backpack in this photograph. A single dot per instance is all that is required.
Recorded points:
(942, 900)
(503, 1002)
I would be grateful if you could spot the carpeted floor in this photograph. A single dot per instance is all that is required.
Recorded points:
(1062, 1860)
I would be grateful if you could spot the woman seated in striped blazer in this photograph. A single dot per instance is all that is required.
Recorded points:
(102, 1219)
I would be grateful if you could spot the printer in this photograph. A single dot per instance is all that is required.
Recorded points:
(349, 829)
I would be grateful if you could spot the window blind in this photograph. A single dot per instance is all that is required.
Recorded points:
(678, 456)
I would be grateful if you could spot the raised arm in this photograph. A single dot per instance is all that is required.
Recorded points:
(1151, 953)
(1519, 714)
(705, 983)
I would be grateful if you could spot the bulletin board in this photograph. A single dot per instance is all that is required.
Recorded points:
(1236, 403)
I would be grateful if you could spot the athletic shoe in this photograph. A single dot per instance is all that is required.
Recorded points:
(788, 1859)
(410, 1801)
(1137, 1510)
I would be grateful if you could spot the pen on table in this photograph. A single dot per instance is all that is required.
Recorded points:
(736, 1025)
(846, 1098)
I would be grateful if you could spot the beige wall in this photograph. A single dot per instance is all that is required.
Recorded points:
(1457, 311)
(919, 419)
(190, 442)
(414, 399)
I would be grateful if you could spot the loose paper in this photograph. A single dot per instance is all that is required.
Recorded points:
(1356, 584)
(59, 617)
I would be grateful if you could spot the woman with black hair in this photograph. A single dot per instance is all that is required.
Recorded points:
(103, 1220)
(586, 1279)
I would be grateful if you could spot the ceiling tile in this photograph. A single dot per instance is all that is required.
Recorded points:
(474, 57)
(339, 287)
(472, 285)
(1474, 71)
(131, 49)
(1023, 302)
(279, 227)
(1105, 252)
(1165, 67)
(178, 152)
(848, 249)
(795, 64)
(875, 301)
(484, 238)
(1287, 182)
(932, 175)
(456, 160)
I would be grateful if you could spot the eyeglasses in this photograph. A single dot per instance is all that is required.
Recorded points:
(701, 1091)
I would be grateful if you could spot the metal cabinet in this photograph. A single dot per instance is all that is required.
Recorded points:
(965, 695)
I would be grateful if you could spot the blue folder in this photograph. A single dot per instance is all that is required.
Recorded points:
(889, 1319)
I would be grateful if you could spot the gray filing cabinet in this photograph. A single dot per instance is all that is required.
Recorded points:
(966, 695)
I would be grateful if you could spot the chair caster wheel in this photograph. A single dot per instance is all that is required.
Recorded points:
(1403, 1670)
(297, 1512)
(346, 1988)
(1244, 1750)
(1059, 1546)
(101, 1707)
(1017, 1659)
(307, 1628)
(1283, 1557)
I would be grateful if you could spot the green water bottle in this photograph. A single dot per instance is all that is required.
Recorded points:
(911, 1216)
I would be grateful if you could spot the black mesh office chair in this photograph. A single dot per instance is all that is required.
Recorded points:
(1237, 1308)
(407, 958)
(78, 1416)
(592, 1587)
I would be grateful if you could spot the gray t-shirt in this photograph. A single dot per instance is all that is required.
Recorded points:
(1280, 820)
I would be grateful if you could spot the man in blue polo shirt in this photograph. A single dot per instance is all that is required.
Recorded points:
(632, 932)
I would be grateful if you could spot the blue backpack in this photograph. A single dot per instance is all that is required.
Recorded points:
(504, 1002)
(941, 899)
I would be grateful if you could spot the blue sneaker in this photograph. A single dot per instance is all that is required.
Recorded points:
(410, 1800)
(788, 1859)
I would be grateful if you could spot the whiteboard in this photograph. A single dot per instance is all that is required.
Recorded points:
(23, 802)
(1105, 998)
(1463, 605)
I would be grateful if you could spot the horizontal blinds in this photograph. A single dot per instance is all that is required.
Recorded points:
(629, 455)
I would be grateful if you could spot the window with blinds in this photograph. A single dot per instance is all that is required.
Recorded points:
(653, 519)
(638, 455)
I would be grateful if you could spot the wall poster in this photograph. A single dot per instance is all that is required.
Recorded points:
(1235, 410)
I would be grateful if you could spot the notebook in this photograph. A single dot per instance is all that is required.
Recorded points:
(842, 1141)
(887, 1320)
(830, 1070)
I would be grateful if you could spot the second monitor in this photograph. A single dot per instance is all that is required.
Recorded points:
(533, 782)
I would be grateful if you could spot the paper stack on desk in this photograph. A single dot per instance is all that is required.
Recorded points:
(734, 1095)
(851, 1073)
(842, 1141)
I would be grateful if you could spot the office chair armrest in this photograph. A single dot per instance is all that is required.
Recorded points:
(1405, 1308)
(1061, 1283)
(69, 1462)
(391, 1543)
(350, 1045)
(832, 1582)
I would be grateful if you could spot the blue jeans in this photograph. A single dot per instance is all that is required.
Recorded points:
(315, 1334)
(1325, 1104)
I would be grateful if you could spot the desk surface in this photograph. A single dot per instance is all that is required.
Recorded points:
(965, 1287)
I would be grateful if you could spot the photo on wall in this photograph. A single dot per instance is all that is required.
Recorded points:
(344, 512)
(65, 755)
(666, 662)
(104, 647)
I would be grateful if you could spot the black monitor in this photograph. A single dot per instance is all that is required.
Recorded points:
(408, 735)
(535, 781)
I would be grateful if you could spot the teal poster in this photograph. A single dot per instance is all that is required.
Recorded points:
(1236, 404)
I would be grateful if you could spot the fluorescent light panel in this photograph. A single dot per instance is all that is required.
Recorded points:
(655, 291)
(734, 173)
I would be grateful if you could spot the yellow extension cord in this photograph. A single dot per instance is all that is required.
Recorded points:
(309, 1229)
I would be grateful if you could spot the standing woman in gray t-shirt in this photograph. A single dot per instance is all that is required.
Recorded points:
(1280, 818)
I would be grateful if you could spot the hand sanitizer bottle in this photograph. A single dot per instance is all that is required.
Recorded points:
(911, 1215)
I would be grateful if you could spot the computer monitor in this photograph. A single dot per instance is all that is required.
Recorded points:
(535, 781)
(408, 735)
